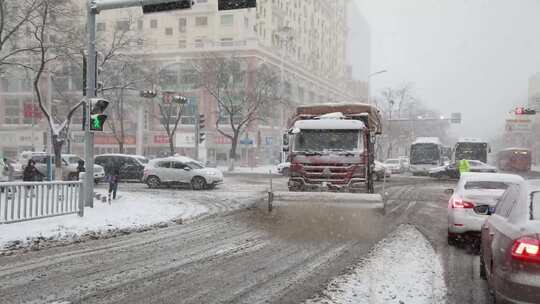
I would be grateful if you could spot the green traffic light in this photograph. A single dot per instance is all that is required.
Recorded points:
(96, 123)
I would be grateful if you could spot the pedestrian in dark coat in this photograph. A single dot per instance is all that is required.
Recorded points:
(31, 173)
(113, 177)
(80, 167)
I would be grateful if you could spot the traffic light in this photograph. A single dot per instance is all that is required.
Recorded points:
(224, 5)
(167, 6)
(148, 94)
(97, 116)
(200, 127)
(524, 111)
(179, 99)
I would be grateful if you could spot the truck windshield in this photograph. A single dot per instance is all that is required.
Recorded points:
(425, 154)
(328, 140)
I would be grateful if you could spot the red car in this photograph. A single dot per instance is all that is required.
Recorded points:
(510, 249)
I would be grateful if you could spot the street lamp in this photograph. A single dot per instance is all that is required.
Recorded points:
(369, 82)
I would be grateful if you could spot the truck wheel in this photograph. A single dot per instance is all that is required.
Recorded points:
(285, 172)
(198, 183)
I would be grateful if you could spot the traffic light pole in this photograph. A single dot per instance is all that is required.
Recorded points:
(90, 93)
(197, 131)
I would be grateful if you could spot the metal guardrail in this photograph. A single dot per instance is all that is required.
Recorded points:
(23, 201)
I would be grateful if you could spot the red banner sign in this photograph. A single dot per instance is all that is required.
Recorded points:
(161, 139)
(102, 139)
(32, 111)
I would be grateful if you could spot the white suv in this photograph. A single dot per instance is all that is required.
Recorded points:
(181, 170)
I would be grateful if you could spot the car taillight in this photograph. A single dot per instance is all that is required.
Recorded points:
(145, 171)
(526, 249)
(458, 203)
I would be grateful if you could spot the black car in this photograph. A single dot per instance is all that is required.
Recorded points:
(130, 166)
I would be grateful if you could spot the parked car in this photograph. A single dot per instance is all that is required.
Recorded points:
(510, 252)
(405, 162)
(381, 171)
(178, 170)
(69, 165)
(452, 170)
(130, 166)
(473, 196)
(283, 168)
(394, 164)
(70, 172)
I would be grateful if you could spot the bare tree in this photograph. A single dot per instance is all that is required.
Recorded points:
(15, 25)
(52, 19)
(170, 114)
(240, 89)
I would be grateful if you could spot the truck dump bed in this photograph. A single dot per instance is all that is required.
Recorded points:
(352, 110)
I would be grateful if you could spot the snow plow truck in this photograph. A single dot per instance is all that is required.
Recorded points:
(330, 148)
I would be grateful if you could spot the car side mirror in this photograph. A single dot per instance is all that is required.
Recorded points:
(187, 169)
(449, 191)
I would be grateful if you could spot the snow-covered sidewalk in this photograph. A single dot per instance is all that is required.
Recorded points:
(403, 268)
(132, 211)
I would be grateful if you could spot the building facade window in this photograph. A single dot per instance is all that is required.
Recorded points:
(122, 25)
(168, 31)
(140, 24)
(199, 43)
(182, 24)
(227, 42)
(182, 44)
(100, 27)
(227, 20)
(12, 112)
(201, 21)
(153, 23)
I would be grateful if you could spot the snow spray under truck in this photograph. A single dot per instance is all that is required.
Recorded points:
(331, 148)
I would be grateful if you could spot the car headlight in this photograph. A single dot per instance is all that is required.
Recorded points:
(211, 173)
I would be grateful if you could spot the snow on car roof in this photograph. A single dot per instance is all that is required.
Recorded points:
(492, 177)
(427, 140)
(182, 159)
(333, 124)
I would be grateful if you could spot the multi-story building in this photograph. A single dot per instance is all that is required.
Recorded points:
(306, 41)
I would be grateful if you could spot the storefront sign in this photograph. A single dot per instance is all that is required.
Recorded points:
(185, 140)
(161, 139)
(106, 139)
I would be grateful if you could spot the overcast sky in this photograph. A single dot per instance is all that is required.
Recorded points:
(469, 56)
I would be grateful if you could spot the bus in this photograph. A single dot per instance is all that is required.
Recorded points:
(515, 160)
(471, 149)
(426, 153)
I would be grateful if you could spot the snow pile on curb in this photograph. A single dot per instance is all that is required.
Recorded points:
(403, 268)
(130, 212)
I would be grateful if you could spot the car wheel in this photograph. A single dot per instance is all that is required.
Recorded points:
(452, 241)
(153, 182)
(198, 183)
(285, 171)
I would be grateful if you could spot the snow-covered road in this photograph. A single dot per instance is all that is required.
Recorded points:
(402, 268)
(137, 208)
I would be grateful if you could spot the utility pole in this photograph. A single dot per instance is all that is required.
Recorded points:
(90, 93)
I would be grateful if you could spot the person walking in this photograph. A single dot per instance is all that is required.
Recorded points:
(31, 174)
(10, 170)
(113, 178)
(80, 168)
(464, 166)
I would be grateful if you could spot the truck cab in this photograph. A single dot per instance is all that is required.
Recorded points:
(331, 151)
